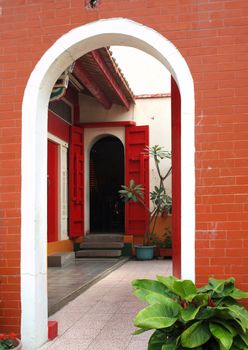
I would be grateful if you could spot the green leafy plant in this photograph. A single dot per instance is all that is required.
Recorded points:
(161, 201)
(166, 240)
(185, 317)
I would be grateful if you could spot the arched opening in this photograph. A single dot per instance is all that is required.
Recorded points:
(106, 178)
(64, 52)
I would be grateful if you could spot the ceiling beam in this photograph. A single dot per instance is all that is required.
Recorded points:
(90, 84)
(108, 75)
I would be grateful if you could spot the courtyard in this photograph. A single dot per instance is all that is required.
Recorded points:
(101, 318)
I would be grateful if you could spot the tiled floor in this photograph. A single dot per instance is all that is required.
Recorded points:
(66, 283)
(101, 318)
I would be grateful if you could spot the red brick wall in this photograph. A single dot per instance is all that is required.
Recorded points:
(212, 36)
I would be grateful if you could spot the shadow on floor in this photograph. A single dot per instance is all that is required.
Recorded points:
(66, 283)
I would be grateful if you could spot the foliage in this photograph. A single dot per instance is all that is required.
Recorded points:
(8, 341)
(161, 201)
(166, 240)
(186, 317)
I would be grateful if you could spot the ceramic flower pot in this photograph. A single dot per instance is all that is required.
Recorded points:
(9, 341)
(144, 252)
(17, 343)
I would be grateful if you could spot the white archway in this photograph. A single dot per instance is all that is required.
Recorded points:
(60, 55)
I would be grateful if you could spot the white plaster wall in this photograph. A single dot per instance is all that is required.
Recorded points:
(144, 73)
(91, 136)
(93, 111)
(155, 112)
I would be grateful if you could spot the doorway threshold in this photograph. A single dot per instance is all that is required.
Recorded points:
(68, 282)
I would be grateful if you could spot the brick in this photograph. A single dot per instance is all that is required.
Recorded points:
(212, 37)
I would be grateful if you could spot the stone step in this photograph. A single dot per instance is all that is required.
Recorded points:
(110, 237)
(97, 253)
(60, 259)
(101, 245)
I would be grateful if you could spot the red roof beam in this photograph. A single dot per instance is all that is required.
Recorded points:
(89, 83)
(108, 75)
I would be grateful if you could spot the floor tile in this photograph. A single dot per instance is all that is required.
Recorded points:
(102, 317)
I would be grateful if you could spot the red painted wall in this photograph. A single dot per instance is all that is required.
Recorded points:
(212, 37)
(176, 177)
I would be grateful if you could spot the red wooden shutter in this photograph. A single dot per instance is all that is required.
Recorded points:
(76, 183)
(52, 191)
(137, 168)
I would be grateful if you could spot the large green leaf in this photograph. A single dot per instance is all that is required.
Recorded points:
(170, 344)
(206, 313)
(218, 288)
(239, 313)
(224, 313)
(145, 287)
(156, 316)
(189, 313)
(244, 337)
(228, 325)
(239, 343)
(201, 299)
(227, 301)
(167, 281)
(195, 335)
(155, 298)
(156, 341)
(238, 294)
(185, 289)
(140, 331)
(222, 335)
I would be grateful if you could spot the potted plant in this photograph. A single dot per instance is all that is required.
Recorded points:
(165, 244)
(160, 200)
(9, 341)
(185, 317)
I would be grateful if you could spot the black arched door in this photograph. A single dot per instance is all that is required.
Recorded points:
(106, 178)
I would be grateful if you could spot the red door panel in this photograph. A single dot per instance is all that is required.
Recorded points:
(137, 168)
(76, 181)
(176, 177)
(52, 192)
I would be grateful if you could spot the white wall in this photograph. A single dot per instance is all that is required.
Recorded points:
(144, 73)
(91, 111)
(155, 112)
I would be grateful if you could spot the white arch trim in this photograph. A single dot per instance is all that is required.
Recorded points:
(60, 55)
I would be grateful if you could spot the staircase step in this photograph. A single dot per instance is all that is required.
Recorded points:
(101, 245)
(110, 237)
(60, 259)
(96, 253)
